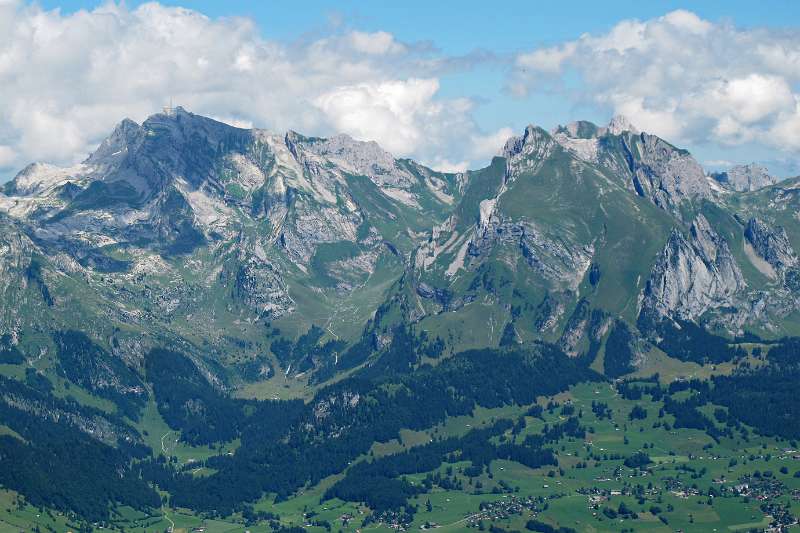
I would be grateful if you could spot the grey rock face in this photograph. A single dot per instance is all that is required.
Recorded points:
(583, 129)
(620, 124)
(583, 324)
(653, 168)
(575, 329)
(661, 172)
(260, 285)
(184, 145)
(526, 152)
(313, 225)
(556, 260)
(126, 138)
(15, 248)
(745, 178)
(441, 296)
(16, 253)
(771, 244)
(360, 158)
(693, 274)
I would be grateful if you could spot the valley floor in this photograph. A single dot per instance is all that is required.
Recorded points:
(693, 483)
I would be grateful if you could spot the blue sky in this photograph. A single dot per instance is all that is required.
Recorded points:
(461, 26)
(488, 78)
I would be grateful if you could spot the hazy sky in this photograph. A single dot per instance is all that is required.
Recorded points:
(444, 82)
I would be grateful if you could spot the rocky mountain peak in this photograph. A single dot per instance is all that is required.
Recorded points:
(38, 178)
(585, 130)
(580, 129)
(532, 138)
(180, 125)
(587, 141)
(527, 151)
(114, 148)
(653, 168)
(580, 138)
(662, 172)
(146, 156)
(745, 178)
(619, 124)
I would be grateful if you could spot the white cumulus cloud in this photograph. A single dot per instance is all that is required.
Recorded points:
(391, 110)
(379, 42)
(682, 77)
(66, 79)
(408, 120)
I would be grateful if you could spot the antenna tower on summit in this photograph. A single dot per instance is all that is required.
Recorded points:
(169, 111)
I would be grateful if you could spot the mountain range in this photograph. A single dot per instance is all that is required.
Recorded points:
(188, 231)
(185, 254)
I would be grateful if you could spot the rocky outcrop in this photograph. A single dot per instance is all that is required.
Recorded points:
(584, 326)
(661, 172)
(126, 138)
(619, 124)
(18, 272)
(575, 329)
(652, 167)
(360, 158)
(313, 225)
(771, 244)
(260, 284)
(585, 148)
(692, 274)
(555, 259)
(583, 129)
(527, 152)
(745, 178)
(107, 429)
